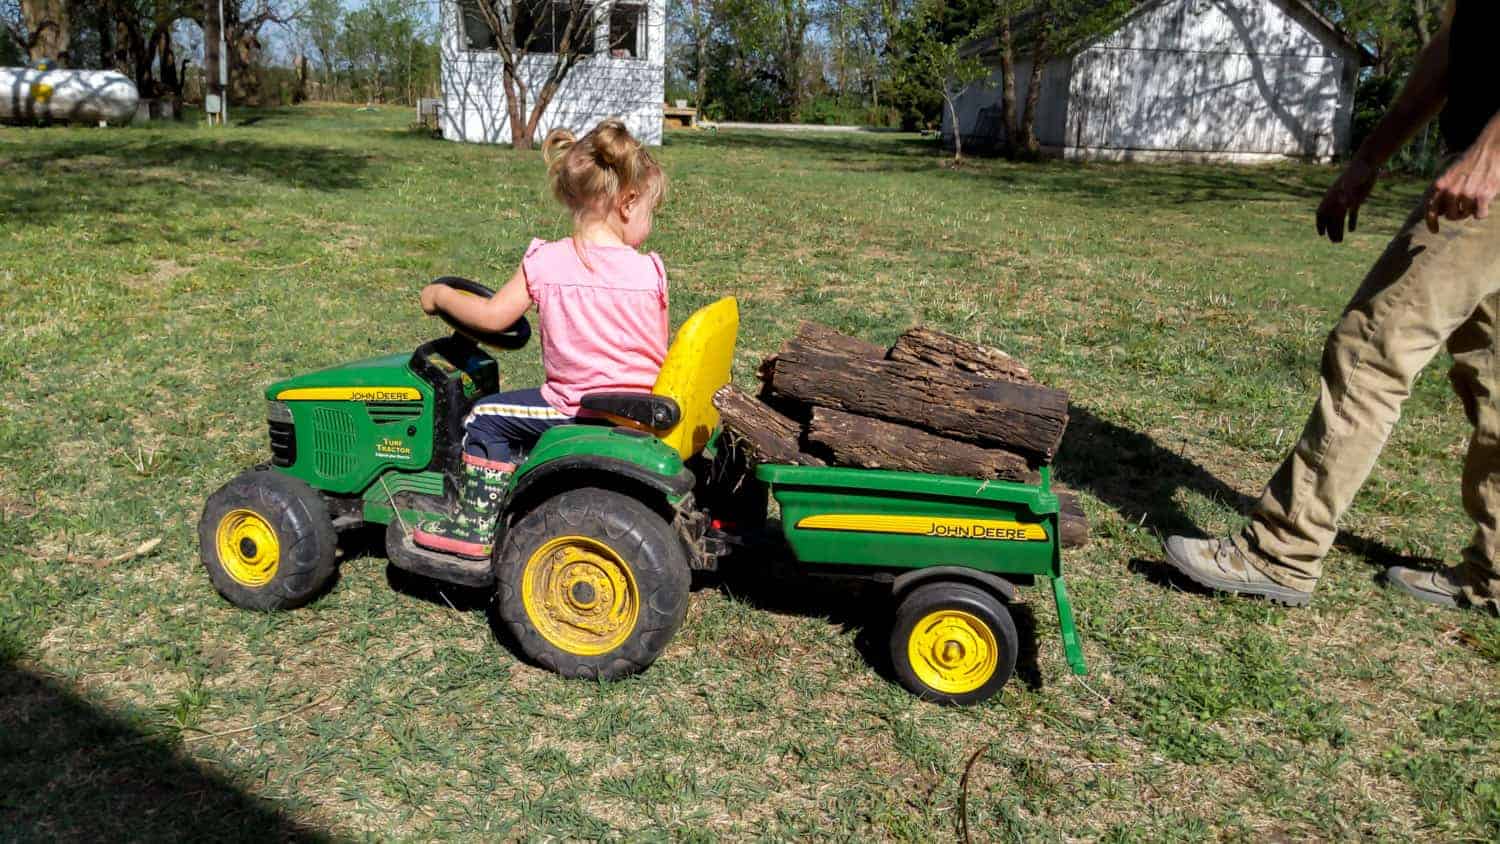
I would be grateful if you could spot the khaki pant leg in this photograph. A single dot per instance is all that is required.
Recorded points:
(1418, 293)
(1476, 356)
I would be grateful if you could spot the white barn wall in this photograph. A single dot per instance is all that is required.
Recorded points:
(1212, 78)
(597, 87)
(1240, 80)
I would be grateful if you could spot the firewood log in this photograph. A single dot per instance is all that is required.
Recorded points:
(818, 370)
(765, 435)
(924, 345)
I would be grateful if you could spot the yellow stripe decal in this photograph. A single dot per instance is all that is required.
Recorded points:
(350, 394)
(949, 528)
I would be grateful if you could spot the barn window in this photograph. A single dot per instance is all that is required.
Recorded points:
(477, 32)
(539, 25)
(627, 31)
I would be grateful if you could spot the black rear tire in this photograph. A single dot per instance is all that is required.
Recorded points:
(953, 643)
(267, 541)
(592, 583)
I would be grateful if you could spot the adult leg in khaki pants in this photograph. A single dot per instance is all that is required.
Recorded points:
(1422, 291)
(1476, 378)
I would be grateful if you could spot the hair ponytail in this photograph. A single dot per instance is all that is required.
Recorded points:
(558, 142)
(589, 173)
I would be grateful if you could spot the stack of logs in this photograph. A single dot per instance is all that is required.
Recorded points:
(931, 403)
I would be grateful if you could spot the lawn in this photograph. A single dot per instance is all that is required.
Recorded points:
(154, 281)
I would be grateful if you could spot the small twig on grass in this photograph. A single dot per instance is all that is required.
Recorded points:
(139, 551)
(302, 263)
(281, 717)
(963, 791)
(461, 616)
(1095, 692)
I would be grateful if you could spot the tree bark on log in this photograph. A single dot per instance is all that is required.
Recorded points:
(867, 443)
(1020, 417)
(923, 345)
(754, 426)
(1071, 522)
(820, 336)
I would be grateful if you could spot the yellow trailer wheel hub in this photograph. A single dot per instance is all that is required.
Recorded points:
(953, 652)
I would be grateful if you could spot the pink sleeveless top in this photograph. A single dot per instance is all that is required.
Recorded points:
(603, 327)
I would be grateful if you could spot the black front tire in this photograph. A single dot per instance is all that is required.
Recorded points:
(953, 643)
(579, 547)
(292, 562)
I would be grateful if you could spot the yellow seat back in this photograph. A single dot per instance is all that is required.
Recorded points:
(697, 365)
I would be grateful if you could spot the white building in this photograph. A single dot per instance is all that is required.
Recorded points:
(622, 76)
(1223, 80)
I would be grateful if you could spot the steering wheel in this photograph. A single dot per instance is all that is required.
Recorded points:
(511, 338)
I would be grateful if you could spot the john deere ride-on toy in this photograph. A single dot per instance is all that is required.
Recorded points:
(605, 520)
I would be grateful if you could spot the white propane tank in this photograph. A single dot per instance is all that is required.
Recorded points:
(66, 96)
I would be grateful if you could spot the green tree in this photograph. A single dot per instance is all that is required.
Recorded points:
(761, 52)
(955, 71)
(915, 90)
(1044, 30)
(320, 22)
(388, 49)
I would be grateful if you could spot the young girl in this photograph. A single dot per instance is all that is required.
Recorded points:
(601, 311)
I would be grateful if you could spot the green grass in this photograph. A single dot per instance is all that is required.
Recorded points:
(155, 280)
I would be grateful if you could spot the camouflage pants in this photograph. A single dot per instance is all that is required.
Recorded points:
(1425, 290)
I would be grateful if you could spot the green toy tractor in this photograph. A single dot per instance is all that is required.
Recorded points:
(606, 519)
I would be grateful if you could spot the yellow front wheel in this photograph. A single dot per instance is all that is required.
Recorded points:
(248, 547)
(592, 583)
(267, 541)
(953, 643)
(581, 595)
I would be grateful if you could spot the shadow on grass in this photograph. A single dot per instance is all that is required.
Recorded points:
(1138, 477)
(1146, 186)
(159, 175)
(72, 771)
(861, 607)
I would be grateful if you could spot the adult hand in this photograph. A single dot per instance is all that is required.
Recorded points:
(1343, 199)
(430, 297)
(1468, 187)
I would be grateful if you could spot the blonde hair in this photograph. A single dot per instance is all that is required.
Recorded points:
(591, 173)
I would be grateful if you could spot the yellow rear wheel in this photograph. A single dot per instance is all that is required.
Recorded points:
(592, 583)
(581, 595)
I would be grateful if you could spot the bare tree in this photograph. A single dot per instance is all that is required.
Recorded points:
(539, 43)
(40, 27)
(243, 20)
(1048, 27)
(701, 15)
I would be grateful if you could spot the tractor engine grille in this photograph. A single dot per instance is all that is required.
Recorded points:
(283, 443)
(333, 442)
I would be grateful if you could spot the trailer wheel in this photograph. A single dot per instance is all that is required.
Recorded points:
(953, 643)
(267, 541)
(592, 583)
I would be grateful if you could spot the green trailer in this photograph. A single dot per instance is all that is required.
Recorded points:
(605, 520)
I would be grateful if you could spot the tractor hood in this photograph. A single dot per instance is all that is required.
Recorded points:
(382, 379)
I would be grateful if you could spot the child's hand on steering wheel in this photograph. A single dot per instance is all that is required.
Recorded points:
(429, 298)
